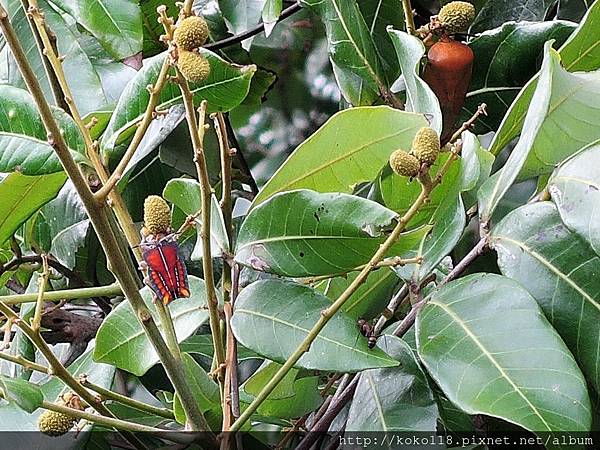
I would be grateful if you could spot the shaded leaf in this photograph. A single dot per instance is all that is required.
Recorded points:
(341, 154)
(393, 399)
(351, 50)
(487, 345)
(560, 270)
(580, 52)
(204, 390)
(202, 344)
(448, 223)
(185, 194)
(501, 71)
(574, 188)
(258, 380)
(121, 340)
(266, 321)
(371, 296)
(495, 13)
(306, 398)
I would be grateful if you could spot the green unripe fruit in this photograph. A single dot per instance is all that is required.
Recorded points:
(426, 145)
(54, 423)
(191, 33)
(157, 215)
(456, 16)
(193, 66)
(404, 164)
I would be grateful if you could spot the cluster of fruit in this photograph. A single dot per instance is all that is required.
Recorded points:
(189, 36)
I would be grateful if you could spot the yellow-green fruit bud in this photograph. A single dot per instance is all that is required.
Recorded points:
(157, 214)
(54, 423)
(191, 33)
(404, 164)
(426, 145)
(193, 66)
(456, 16)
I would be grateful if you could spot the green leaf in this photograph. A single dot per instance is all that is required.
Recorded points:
(23, 138)
(95, 79)
(351, 50)
(258, 380)
(394, 399)
(270, 14)
(500, 72)
(306, 398)
(560, 270)
(399, 193)
(267, 322)
(379, 15)
(495, 188)
(117, 24)
(419, 96)
(574, 189)
(580, 52)
(23, 195)
(494, 14)
(303, 233)
(370, 298)
(489, 348)
(574, 105)
(121, 340)
(350, 148)
(185, 194)
(204, 390)
(27, 396)
(225, 88)
(202, 344)
(242, 15)
(448, 223)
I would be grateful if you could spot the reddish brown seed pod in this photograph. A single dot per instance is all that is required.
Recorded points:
(448, 73)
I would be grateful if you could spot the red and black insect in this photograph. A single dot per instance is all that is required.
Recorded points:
(167, 273)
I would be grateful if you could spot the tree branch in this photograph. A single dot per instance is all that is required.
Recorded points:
(253, 31)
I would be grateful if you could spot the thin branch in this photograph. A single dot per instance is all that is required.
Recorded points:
(395, 261)
(67, 294)
(107, 394)
(39, 305)
(232, 40)
(226, 206)
(427, 185)
(409, 17)
(197, 135)
(118, 424)
(336, 405)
